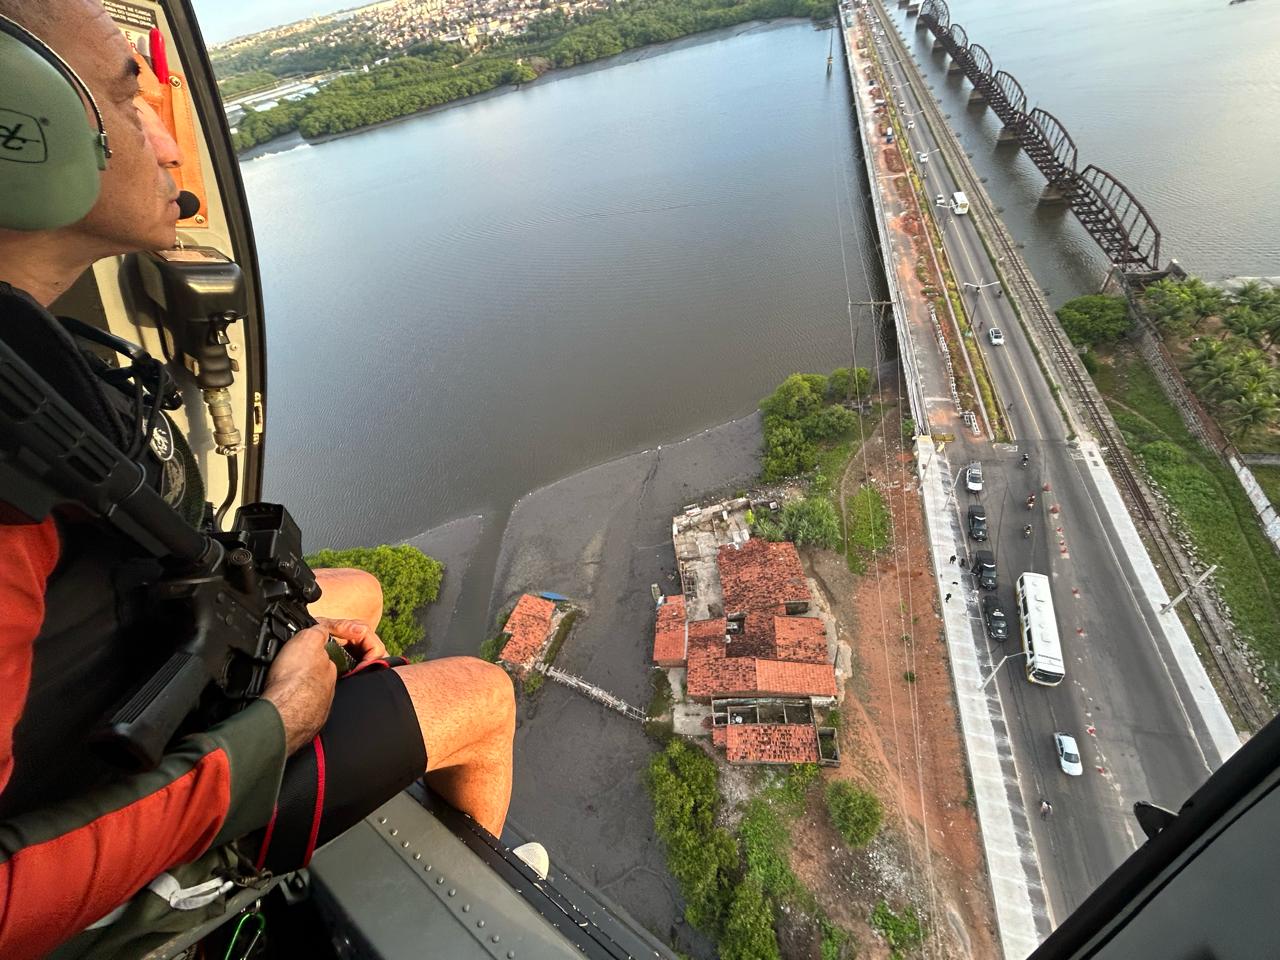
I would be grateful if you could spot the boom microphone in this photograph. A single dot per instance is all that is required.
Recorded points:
(188, 204)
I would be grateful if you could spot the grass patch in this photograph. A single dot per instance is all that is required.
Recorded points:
(868, 527)
(659, 725)
(533, 683)
(857, 814)
(562, 632)
(1269, 479)
(766, 832)
(902, 931)
(733, 887)
(1208, 499)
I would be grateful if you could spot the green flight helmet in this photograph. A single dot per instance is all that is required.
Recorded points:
(51, 155)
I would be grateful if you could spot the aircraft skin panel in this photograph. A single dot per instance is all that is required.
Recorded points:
(401, 880)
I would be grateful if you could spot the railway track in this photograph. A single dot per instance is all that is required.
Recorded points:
(1236, 682)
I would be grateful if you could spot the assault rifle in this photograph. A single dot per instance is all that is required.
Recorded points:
(224, 603)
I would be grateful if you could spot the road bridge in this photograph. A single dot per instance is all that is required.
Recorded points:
(1136, 696)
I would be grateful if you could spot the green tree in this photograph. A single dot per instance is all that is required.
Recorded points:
(1205, 352)
(795, 397)
(828, 423)
(1169, 304)
(812, 520)
(1217, 375)
(1245, 322)
(701, 856)
(1205, 301)
(410, 580)
(748, 932)
(840, 385)
(845, 384)
(1094, 319)
(1253, 295)
(787, 453)
(855, 813)
(1251, 412)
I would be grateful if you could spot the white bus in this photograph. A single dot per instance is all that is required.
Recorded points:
(959, 202)
(1039, 630)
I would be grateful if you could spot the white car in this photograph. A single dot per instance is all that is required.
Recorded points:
(911, 124)
(924, 157)
(1068, 754)
(973, 477)
(939, 201)
(996, 337)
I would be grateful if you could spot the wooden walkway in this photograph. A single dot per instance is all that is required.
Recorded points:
(593, 692)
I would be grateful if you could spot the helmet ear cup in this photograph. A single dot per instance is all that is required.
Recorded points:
(51, 155)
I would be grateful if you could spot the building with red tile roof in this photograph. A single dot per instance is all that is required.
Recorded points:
(760, 581)
(670, 634)
(760, 575)
(707, 630)
(720, 676)
(803, 639)
(770, 743)
(527, 629)
(761, 650)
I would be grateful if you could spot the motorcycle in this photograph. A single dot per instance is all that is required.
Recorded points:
(1031, 501)
(1026, 532)
(1026, 460)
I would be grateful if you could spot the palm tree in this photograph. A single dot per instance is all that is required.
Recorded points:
(1167, 303)
(1204, 352)
(1243, 321)
(1204, 301)
(1252, 360)
(1252, 294)
(1252, 412)
(1217, 378)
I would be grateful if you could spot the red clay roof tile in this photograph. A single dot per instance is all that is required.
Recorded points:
(771, 743)
(529, 624)
(800, 638)
(669, 633)
(760, 575)
(714, 676)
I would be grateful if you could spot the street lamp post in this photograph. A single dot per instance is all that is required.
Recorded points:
(983, 684)
(976, 287)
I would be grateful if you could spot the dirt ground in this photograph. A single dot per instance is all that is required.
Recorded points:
(899, 737)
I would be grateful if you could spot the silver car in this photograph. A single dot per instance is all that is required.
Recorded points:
(973, 477)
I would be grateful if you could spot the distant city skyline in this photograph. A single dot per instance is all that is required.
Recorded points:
(222, 20)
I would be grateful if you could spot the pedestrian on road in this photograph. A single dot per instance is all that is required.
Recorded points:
(1046, 809)
(948, 600)
(953, 559)
(964, 564)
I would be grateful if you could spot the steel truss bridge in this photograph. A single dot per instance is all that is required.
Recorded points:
(1112, 215)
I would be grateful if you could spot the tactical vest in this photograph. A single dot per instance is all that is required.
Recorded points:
(88, 655)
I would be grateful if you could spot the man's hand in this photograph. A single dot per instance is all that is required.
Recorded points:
(356, 636)
(300, 684)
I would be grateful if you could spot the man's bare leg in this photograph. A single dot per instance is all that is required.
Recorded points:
(466, 708)
(348, 594)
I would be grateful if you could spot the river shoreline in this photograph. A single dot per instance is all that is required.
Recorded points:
(293, 139)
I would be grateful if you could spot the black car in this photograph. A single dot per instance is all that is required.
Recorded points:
(984, 569)
(978, 522)
(993, 614)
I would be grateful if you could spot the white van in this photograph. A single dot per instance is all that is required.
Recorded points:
(959, 202)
